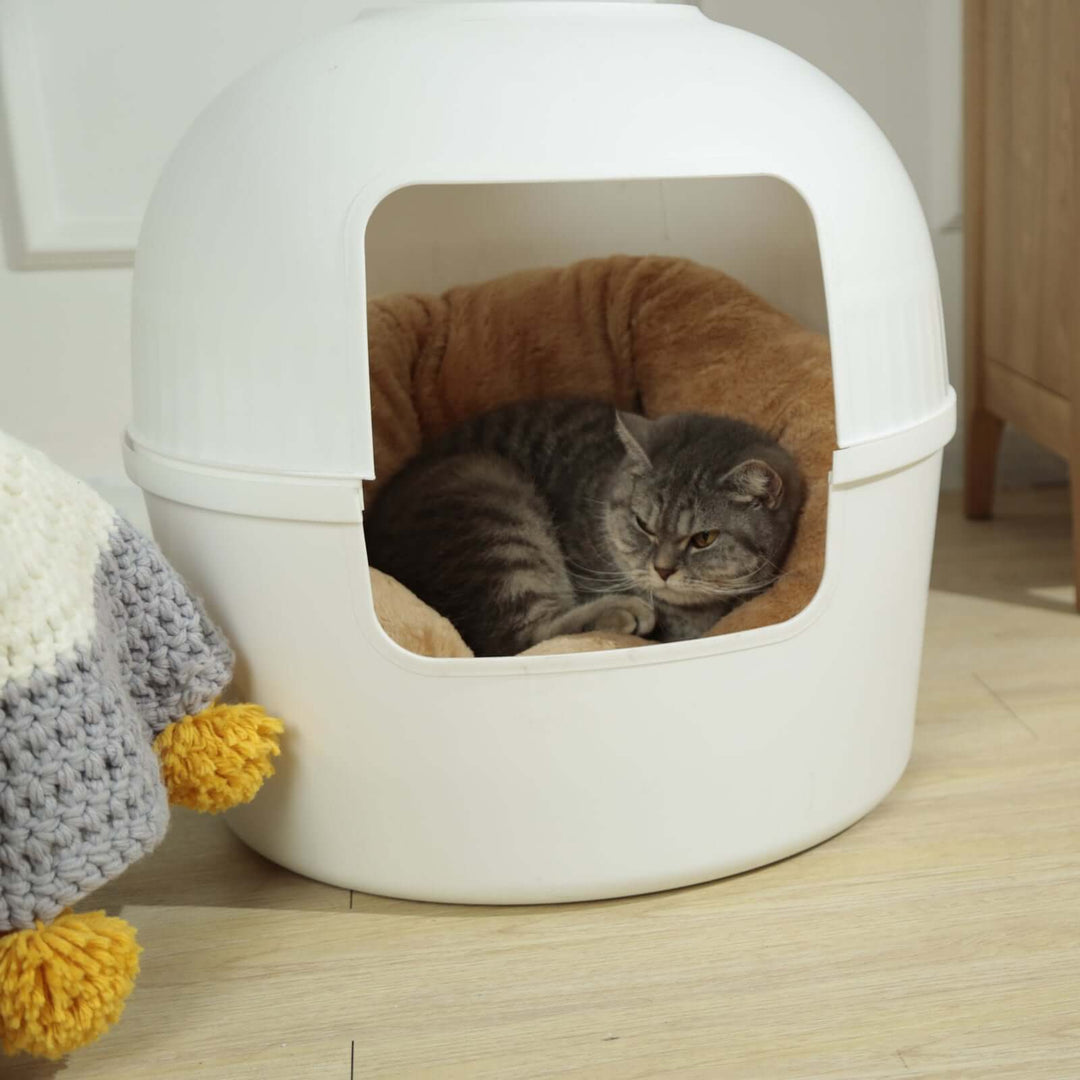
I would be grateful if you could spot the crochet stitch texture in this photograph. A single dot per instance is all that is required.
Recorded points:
(101, 647)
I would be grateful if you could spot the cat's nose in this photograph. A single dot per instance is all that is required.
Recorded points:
(664, 571)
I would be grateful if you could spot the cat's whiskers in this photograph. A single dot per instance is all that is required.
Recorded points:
(597, 575)
(736, 587)
(593, 580)
(765, 561)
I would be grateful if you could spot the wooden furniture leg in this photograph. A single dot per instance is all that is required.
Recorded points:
(983, 432)
(980, 462)
(1074, 483)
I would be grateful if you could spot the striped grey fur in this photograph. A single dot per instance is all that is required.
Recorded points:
(554, 517)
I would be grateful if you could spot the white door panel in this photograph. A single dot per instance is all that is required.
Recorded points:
(97, 92)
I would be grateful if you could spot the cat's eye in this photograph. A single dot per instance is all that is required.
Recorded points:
(642, 525)
(704, 539)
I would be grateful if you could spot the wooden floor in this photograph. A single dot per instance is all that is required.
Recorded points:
(938, 938)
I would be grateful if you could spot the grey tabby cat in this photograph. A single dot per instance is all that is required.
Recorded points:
(554, 517)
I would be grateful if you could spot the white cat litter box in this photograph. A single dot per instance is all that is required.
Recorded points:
(519, 780)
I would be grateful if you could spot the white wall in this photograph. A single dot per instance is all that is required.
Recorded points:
(64, 365)
(95, 91)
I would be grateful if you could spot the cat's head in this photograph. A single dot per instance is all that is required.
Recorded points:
(702, 508)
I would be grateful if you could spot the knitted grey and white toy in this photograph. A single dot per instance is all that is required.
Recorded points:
(109, 669)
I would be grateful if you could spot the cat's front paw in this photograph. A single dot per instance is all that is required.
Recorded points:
(627, 615)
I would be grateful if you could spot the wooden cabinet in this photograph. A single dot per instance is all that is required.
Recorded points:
(1022, 221)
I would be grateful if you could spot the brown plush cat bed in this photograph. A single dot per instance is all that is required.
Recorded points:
(654, 335)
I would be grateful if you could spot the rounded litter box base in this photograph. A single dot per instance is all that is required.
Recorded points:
(562, 893)
(547, 779)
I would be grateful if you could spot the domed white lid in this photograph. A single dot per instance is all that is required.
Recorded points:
(249, 342)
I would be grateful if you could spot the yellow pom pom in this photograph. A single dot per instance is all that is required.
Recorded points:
(63, 984)
(219, 757)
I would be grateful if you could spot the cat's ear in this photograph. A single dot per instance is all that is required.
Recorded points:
(634, 432)
(755, 480)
